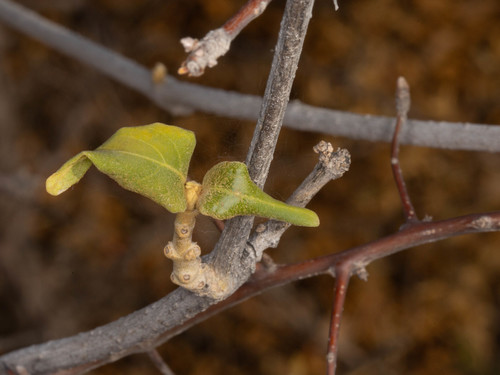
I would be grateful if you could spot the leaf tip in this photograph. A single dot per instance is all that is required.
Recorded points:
(53, 186)
(315, 220)
(69, 174)
(309, 219)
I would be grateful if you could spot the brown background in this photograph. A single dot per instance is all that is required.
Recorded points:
(70, 263)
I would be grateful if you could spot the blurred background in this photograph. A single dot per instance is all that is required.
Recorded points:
(94, 254)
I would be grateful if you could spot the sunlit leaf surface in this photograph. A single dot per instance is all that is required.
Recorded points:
(151, 160)
(228, 191)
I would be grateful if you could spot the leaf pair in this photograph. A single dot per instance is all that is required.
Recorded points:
(153, 161)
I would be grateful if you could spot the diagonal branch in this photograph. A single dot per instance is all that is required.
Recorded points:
(181, 97)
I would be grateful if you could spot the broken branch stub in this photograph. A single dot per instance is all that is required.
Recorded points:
(204, 53)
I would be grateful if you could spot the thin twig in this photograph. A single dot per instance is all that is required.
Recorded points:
(205, 52)
(342, 276)
(402, 108)
(154, 323)
(331, 165)
(250, 11)
(409, 237)
(159, 362)
(181, 97)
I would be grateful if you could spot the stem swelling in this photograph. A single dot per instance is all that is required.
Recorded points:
(189, 271)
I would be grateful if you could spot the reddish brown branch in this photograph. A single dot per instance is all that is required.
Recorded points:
(250, 11)
(342, 276)
(402, 108)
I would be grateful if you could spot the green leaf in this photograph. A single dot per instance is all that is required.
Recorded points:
(228, 191)
(151, 160)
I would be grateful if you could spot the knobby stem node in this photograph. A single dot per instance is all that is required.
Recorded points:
(189, 271)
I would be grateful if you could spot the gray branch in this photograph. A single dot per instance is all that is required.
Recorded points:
(138, 332)
(230, 256)
(180, 97)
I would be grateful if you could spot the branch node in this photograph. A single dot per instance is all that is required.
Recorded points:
(260, 228)
(189, 271)
(362, 273)
(483, 223)
(204, 53)
(335, 162)
(268, 263)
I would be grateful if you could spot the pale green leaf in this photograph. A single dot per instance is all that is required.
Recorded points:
(228, 191)
(69, 174)
(151, 160)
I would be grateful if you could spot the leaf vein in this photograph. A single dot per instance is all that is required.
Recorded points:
(148, 144)
(163, 164)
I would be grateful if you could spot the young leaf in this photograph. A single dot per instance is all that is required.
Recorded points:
(151, 160)
(228, 191)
